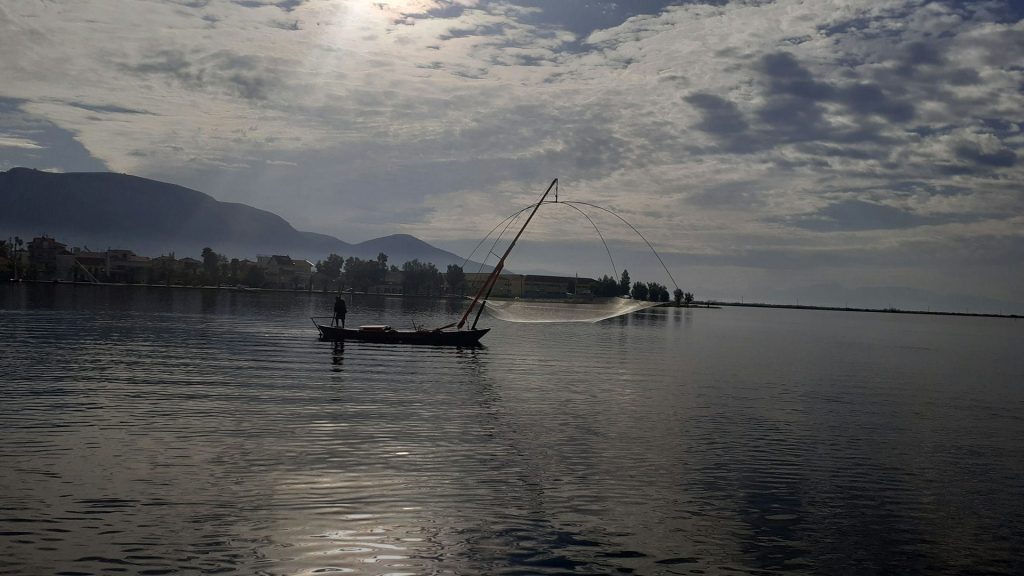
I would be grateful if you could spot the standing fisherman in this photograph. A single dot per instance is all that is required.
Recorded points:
(340, 309)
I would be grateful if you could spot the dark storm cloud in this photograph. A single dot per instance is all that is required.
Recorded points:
(289, 25)
(191, 3)
(1003, 48)
(922, 53)
(914, 60)
(911, 187)
(593, 140)
(784, 76)
(247, 76)
(594, 149)
(839, 150)
(973, 153)
(168, 62)
(581, 17)
(963, 77)
(477, 74)
(853, 214)
(53, 146)
(869, 99)
(788, 84)
(720, 116)
(794, 111)
(482, 30)
(724, 120)
(925, 64)
(111, 109)
(1001, 11)
(856, 24)
(743, 195)
(548, 21)
(978, 250)
(922, 67)
(286, 5)
(792, 119)
(856, 215)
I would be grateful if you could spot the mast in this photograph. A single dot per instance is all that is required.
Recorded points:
(488, 285)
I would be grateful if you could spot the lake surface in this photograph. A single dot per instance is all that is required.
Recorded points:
(181, 431)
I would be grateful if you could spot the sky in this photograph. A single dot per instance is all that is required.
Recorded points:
(861, 153)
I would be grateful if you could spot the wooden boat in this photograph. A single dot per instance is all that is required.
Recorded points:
(449, 335)
(387, 335)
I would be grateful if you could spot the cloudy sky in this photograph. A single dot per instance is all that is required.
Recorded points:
(861, 152)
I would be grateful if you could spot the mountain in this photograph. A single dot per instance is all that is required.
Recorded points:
(105, 210)
(401, 248)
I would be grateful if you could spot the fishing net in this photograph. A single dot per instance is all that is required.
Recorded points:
(554, 310)
(593, 310)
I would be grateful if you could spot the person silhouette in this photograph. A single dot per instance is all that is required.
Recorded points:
(340, 309)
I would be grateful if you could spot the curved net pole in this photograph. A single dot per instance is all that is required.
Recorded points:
(626, 222)
(508, 221)
(489, 285)
(596, 229)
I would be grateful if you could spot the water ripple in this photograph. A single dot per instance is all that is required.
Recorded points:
(204, 431)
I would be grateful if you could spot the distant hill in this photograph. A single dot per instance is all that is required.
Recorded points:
(105, 210)
(402, 248)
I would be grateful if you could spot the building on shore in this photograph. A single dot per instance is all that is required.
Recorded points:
(506, 285)
(46, 259)
(281, 271)
(531, 285)
(84, 266)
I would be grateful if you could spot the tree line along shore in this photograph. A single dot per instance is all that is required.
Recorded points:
(44, 259)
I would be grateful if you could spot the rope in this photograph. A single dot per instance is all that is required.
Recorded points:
(599, 235)
(508, 221)
(626, 222)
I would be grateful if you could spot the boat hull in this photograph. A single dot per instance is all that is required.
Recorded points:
(392, 336)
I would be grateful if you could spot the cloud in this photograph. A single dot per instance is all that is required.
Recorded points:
(856, 214)
(32, 141)
(286, 5)
(984, 149)
(112, 109)
(715, 126)
(785, 76)
(15, 142)
(248, 76)
(737, 195)
(867, 99)
(795, 107)
(723, 119)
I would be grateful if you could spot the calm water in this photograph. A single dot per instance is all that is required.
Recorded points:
(160, 431)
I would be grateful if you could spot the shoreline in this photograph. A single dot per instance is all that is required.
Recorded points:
(226, 288)
(855, 309)
(707, 305)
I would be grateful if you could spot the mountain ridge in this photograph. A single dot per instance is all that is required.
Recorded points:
(152, 217)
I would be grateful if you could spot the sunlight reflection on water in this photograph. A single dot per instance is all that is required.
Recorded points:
(157, 430)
